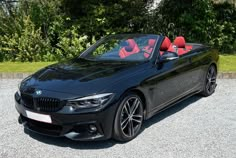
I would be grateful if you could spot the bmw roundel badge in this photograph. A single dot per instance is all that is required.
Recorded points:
(38, 92)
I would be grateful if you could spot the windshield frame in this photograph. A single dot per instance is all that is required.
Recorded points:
(99, 42)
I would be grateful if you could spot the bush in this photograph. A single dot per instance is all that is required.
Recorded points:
(226, 17)
(28, 45)
(71, 44)
(42, 30)
(199, 21)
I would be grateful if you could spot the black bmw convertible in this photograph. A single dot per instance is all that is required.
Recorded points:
(113, 86)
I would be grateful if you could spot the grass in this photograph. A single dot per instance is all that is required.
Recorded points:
(22, 67)
(227, 64)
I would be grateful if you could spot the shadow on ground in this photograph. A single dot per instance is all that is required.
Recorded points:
(64, 142)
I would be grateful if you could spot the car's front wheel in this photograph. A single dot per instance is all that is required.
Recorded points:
(129, 118)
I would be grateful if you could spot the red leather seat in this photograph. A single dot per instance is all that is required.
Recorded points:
(165, 45)
(181, 45)
(148, 49)
(132, 48)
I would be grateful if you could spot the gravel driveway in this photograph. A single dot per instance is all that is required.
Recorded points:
(197, 127)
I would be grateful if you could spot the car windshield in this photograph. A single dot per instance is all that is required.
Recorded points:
(122, 48)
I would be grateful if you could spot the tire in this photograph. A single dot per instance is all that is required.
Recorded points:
(210, 81)
(129, 118)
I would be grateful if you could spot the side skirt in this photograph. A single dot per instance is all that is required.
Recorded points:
(168, 105)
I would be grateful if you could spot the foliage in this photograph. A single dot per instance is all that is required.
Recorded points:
(226, 18)
(100, 17)
(26, 46)
(50, 30)
(199, 21)
(71, 44)
(24, 35)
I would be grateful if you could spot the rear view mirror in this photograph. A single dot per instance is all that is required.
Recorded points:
(168, 56)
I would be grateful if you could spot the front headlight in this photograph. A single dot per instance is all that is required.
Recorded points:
(22, 84)
(93, 101)
(18, 89)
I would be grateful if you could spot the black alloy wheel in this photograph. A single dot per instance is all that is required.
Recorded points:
(129, 118)
(210, 81)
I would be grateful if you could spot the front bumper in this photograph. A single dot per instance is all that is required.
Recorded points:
(71, 125)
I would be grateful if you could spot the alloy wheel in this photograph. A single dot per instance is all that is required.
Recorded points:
(131, 117)
(211, 80)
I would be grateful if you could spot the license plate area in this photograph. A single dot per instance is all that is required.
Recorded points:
(38, 117)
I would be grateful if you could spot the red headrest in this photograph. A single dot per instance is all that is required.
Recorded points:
(165, 44)
(151, 42)
(179, 42)
(131, 43)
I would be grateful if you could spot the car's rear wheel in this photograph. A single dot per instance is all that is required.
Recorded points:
(129, 118)
(210, 81)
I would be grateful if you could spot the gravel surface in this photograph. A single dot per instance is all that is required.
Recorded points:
(197, 127)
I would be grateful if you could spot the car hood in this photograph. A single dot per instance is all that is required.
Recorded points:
(81, 77)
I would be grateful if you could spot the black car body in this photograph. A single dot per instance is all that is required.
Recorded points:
(49, 101)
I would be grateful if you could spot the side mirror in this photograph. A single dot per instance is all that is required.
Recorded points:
(168, 56)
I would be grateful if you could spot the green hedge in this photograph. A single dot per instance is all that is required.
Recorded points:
(50, 30)
(199, 21)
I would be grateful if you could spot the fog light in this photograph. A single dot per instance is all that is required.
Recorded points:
(92, 128)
